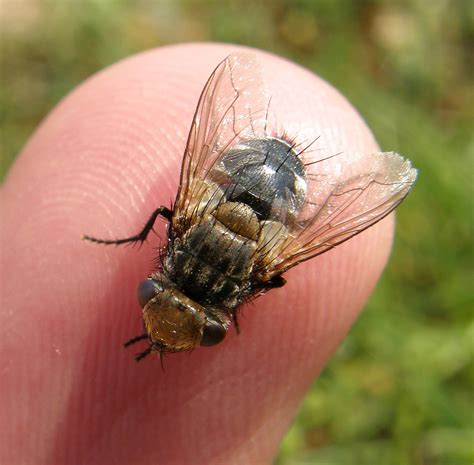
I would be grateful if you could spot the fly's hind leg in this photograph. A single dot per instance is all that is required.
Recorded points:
(142, 235)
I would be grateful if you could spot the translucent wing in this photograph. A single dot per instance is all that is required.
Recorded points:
(347, 193)
(231, 108)
(344, 194)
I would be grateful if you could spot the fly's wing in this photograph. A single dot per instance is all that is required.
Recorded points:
(231, 108)
(346, 194)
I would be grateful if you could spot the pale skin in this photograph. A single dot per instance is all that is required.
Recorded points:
(101, 162)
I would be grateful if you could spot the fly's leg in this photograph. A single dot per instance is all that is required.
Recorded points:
(142, 235)
(141, 355)
(275, 282)
(135, 340)
(236, 322)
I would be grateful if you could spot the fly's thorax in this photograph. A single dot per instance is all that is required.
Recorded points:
(175, 322)
(238, 218)
(270, 236)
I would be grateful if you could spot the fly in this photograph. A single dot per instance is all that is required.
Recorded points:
(251, 205)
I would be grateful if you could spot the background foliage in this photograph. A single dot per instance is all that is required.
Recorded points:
(399, 391)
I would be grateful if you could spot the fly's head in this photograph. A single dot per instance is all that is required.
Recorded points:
(174, 322)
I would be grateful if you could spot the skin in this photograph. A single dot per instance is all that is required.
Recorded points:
(100, 163)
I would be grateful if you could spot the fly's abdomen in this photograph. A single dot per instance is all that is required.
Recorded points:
(267, 175)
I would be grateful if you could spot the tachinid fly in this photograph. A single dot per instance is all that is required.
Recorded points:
(251, 204)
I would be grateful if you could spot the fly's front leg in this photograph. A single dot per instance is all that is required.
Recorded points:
(236, 322)
(142, 235)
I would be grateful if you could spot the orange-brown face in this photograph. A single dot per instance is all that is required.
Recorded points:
(174, 322)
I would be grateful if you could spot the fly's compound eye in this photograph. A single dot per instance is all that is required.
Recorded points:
(213, 333)
(146, 291)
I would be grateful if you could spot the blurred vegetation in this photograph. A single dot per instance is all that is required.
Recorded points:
(400, 389)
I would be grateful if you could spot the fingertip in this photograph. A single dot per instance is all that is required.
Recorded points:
(106, 157)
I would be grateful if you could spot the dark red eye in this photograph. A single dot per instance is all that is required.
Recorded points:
(213, 333)
(146, 291)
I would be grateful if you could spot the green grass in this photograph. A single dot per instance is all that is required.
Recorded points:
(399, 391)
